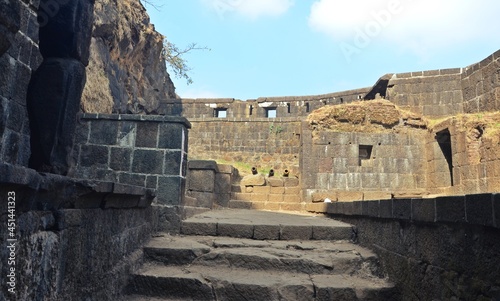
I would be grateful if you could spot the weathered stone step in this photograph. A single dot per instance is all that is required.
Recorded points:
(271, 206)
(219, 283)
(311, 257)
(263, 225)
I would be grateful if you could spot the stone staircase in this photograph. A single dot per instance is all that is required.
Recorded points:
(256, 255)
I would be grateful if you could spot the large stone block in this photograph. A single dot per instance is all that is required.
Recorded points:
(479, 208)
(148, 161)
(53, 102)
(423, 210)
(202, 180)
(66, 28)
(450, 209)
(170, 190)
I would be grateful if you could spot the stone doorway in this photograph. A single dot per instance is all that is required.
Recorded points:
(443, 139)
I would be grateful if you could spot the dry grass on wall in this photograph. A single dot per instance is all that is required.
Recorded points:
(96, 96)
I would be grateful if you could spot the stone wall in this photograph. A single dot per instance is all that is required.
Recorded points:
(431, 93)
(481, 85)
(332, 162)
(19, 56)
(473, 162)
(286, 106)
(260, 142)
(146, 151)
(445, 92)
(209, 184)
(74, 239)
(445, 248)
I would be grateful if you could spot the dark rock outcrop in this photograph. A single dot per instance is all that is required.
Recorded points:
(55, 89)
(126, 73)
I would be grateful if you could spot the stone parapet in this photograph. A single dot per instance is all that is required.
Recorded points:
(146, 151)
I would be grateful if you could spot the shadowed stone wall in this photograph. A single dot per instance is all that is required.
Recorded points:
(75, 239)
(445, 248)
(19, 57)
(141, 150)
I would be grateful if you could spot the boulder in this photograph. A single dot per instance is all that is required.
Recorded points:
(253, 180)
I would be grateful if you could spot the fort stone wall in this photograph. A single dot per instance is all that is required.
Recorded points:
(266, 143)
(362, 162)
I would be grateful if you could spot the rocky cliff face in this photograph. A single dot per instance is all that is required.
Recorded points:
(126, 73)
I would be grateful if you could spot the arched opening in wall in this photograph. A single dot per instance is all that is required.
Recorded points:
(443, 139)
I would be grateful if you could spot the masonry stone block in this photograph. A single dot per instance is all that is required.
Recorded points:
(423, 210)
(290, 182)
(266, 232)
(370, 208)
(479, 208)
(170, 190)
(201, 180)
(120, 159)
(275, 182)
(202, 228)
(94, 156)
(127, 134)
(203, 199)
(401, 208)
(348, 196)
(132, 179)
(173, 162)
(172, 136)
(147, 134)
(148, 161)
(235, 230)
(385, 208)
(291, 232)
(450, 209)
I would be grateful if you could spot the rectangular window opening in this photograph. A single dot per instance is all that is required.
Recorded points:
(365, 155)
(271, 112)
(220, 113)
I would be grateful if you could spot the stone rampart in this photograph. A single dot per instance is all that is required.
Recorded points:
(481, 85)
(430, 93)
(272, 143)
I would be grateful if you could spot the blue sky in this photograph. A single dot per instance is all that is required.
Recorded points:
(302, 47)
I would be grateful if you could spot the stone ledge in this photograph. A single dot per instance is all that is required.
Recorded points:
(476, 209)
(135, 117)
(42, 191)
(203, 165)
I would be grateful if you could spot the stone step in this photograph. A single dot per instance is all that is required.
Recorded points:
(311, 257)
(188, 211)
(264, 225)
(267, 205)
(195, 282)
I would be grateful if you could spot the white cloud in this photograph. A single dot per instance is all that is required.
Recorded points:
(420, 25)
(251, 9)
